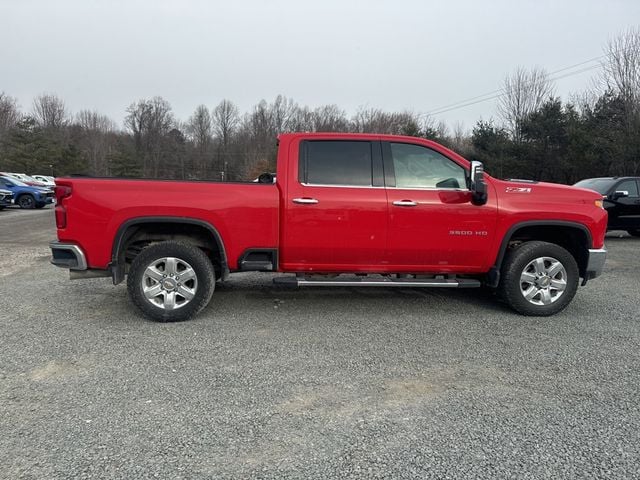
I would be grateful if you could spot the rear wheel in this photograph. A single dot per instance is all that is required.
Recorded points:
(634, 232)
(539, 278)
(26, 201)
(171, 281)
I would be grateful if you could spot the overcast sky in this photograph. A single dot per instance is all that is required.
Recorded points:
(395, 55)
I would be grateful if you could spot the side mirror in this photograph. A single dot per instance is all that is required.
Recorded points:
(477, 184)
(619, 194)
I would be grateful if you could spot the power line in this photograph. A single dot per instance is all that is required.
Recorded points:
(500, 92)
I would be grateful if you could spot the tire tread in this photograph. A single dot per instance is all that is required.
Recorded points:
(517, 258)
(195, 257)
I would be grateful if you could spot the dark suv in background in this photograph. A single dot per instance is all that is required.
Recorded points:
(621, 197)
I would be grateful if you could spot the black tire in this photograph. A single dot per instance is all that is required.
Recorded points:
(26, 201)
(634, 232)
(1, 207)
(522, 264)
(185, 254)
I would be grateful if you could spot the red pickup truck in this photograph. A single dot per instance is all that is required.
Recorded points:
(343, 209)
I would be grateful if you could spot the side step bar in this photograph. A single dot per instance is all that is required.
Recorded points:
(377, 282)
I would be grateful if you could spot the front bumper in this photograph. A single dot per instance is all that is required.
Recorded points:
(5, 200)
(595, 265)
(68, 255)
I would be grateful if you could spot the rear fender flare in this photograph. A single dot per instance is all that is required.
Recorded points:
(117, 265)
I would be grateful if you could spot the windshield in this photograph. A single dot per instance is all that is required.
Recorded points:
(600, 185)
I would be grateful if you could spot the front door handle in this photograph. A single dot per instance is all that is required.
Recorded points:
(405, 203)
(305, 201)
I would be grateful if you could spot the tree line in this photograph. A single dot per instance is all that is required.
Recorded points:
(535, 134)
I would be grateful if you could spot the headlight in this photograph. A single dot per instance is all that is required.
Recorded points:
(599, 203)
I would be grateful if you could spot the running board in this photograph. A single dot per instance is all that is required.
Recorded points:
(377, 282)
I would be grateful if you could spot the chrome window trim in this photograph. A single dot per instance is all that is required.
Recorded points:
(337, 186)
(431, 188)
(388, 188)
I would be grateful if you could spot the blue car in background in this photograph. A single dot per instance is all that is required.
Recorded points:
(26, 196)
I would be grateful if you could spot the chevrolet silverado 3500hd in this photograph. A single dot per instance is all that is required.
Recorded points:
(346, 209)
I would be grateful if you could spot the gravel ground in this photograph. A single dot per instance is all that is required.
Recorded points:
(325, 383)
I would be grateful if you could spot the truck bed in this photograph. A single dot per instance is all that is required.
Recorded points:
(246, 212)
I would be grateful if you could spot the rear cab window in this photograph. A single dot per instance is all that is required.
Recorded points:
(340, 163)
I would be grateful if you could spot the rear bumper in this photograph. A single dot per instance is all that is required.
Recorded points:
(595, 265)
(68, 255)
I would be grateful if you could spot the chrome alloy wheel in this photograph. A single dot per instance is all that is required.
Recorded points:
(169, 283)
(543, 281)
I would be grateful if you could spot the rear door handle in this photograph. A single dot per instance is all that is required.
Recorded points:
(405, 203)
(305, 201)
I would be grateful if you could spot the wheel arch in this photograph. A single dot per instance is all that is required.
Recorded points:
(169, 227)
(574, 237)
(24, 194)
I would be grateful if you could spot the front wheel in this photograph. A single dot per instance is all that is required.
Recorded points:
(171, 281)
(539, 278)
(26, 201)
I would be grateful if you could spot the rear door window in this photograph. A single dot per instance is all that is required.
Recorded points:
(345, 163)
(628, 186)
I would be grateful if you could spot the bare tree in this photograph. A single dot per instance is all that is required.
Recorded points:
(92, 120)
(282, 112)
(373, 120)
(303, 120)
(330, 118)
(150, 122)
(460, 139)
(9, 113)
(95, 139)
(434, 130)
(49, 111)
(369, 120)
(621, 69)
(225, 119)
(199, 130)
(523, 92)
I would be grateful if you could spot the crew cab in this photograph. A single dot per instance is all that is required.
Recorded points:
(346, 209)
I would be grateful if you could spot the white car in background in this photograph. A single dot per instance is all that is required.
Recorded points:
(46, 179)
